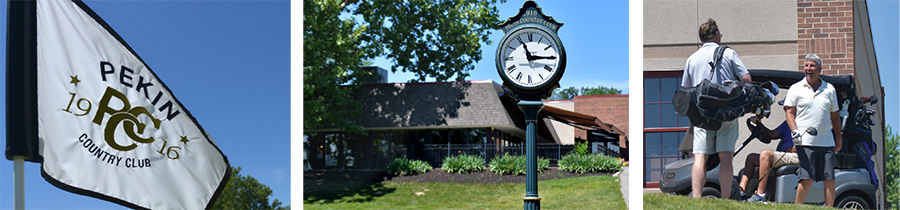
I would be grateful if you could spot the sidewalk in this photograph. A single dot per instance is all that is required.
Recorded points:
(623, 183)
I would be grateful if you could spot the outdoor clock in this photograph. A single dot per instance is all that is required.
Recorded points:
(530, 58)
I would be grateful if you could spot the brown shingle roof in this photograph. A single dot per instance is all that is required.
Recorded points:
(445, 104)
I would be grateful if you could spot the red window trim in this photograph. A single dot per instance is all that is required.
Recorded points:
(662, 74)
(654, 75)
(655, 130)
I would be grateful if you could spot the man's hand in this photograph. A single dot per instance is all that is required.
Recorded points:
(795, 136)
(838, 143)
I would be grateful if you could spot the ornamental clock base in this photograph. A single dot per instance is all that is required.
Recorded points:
(532, 203)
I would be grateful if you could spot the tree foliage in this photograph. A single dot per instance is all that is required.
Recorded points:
(892, 176)
(431, 39)
(570, 92)
(244, 192)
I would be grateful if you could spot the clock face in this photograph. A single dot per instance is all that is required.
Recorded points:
(529, 57)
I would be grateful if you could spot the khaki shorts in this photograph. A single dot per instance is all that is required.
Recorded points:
(721, 140)
(784, 158)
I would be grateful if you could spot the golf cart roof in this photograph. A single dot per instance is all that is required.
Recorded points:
(784, 79)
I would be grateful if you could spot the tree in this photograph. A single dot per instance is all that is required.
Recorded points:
(244, 192)
(570, 92)
(564, 94)
(600, 90)
(431, 39)
(892, 175)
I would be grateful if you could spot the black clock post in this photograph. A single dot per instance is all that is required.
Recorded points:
(530, 59)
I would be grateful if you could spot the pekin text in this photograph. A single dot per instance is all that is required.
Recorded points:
(126, 79)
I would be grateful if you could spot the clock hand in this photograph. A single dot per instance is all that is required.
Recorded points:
(543, 57)
(528, 55)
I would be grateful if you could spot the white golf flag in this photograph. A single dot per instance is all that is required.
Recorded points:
(107, 125)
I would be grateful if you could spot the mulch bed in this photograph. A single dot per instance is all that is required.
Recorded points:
(483, 177)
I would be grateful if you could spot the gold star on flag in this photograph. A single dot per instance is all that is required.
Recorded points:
(75, 80)
(184, 139)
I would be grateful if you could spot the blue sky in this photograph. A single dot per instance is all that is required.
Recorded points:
(597, 44)
(228, 62)
(884, 19)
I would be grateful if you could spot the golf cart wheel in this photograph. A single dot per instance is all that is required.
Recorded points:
(711, 192)
(851, 201)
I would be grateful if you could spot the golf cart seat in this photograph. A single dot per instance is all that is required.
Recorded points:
(786, 170)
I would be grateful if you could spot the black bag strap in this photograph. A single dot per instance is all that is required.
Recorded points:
(717, 59)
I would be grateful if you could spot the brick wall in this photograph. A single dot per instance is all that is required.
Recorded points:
(825, 27)
(612, 109)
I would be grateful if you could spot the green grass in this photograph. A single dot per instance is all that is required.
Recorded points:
(591, 192)
(669, 201)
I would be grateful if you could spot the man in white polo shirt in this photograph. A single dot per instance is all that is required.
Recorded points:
(813, 103)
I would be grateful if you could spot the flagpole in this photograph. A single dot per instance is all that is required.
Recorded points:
(21, 91)
(19, 171)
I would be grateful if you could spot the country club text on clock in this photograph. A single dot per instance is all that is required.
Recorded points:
(532, 16)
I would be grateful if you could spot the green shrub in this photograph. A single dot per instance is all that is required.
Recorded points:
(589, 163)
(581, 148)
(403, 166)
(515, 165)
(463, 164)
(543, 164)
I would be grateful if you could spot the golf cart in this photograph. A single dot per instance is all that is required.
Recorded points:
(855, 180)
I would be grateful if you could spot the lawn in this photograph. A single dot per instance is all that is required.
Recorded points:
(590, 192)
(669, 201)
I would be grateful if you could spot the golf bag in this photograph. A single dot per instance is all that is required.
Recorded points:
(858, 136)
(709, 104)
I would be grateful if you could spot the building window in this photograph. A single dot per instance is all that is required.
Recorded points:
(663, 129)
(661, 148)
(658, 110)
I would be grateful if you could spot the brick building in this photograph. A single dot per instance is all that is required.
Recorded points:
(612, 109)
(774, 35)
(826, 28)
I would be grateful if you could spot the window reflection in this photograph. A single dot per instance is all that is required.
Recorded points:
(651, 90)
(669, 85)
(651, 115)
